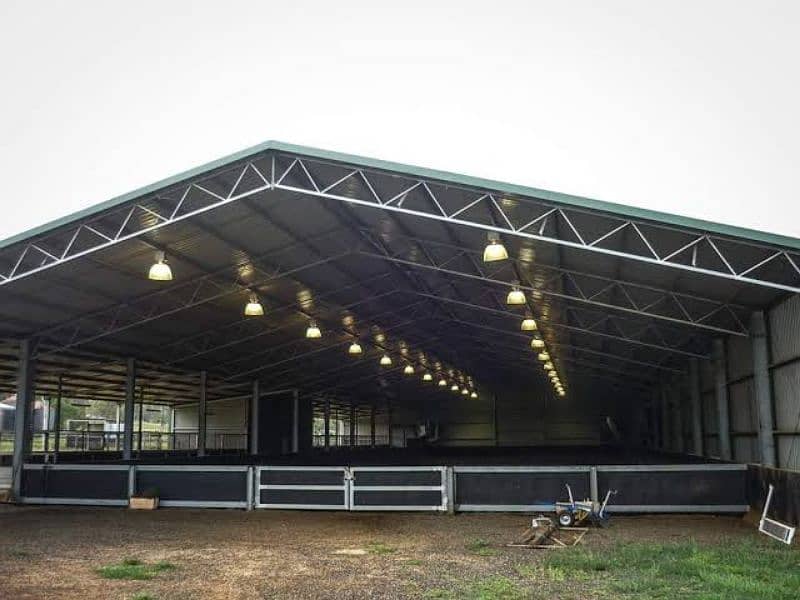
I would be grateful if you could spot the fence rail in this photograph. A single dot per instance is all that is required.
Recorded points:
(112, 441)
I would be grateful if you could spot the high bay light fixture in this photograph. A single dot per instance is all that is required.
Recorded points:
(516, 296)
(160, 271)
(494, 250)
(528, 324)
(313, 332)
(253, 308)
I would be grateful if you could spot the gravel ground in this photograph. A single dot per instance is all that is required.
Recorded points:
(52, 553)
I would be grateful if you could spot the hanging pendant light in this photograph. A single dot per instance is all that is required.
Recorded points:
(354, 349)
(516, 296)
(528, 324)
(386, 360)
(313, 332)
(474, 395)
(543, 356)
(464, 391)
(537, 343)
(548, 366)
(408, 370)
(562, 393)
(253, 308)
(454, 388)
(494, 250)
(427, 377)
(160, 271)
(442, 382)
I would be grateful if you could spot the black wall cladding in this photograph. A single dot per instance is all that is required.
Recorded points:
(209, 486)
(785, 505)
(676, 488)
(519, 488)
(91, 484)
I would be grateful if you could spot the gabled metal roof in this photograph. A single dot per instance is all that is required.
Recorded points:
(385, 252)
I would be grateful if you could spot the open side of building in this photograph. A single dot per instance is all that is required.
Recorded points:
(340, 332)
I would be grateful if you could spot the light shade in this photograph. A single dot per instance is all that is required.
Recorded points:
(464, 391)
(537, 343)
(562, 393)
(543, 356)
(355, 348)
(474, 395)
(253, 308)
(548, 366)
(515, 297)
(528, 324)
(408, 370)
(442, 382)
(386, 360)
(313, 332)
(427, 377)
(494, 249)
(160, 271)
(454, 388)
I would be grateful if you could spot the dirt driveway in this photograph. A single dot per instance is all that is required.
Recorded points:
(49, 553)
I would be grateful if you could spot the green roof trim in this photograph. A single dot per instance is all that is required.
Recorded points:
(566, 200)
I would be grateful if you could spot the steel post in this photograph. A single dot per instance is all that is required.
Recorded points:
(763, 388)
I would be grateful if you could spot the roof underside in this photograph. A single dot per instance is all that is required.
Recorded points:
(390, 254)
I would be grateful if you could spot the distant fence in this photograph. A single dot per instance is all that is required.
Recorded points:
(111, 441)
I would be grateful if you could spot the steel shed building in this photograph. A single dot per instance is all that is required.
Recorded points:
(661, 356)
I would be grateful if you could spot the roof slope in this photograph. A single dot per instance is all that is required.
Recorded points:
(566, 200)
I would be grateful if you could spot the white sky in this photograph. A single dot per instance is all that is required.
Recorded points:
(685, 107)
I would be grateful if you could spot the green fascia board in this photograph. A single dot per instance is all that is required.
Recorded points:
(566, 200)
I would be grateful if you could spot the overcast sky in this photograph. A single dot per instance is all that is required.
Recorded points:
(685, 107)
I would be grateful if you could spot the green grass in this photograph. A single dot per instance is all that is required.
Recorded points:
(380, 548)
(496, 587)
(735, 570)
(132, 568)
(481, 548)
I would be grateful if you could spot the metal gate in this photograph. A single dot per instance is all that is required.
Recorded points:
(398, 488)
(310, 488)
(351, 488)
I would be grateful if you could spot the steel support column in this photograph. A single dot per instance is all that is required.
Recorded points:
(721, 393)
(665, 420)
(57, 419)
(23, 421)
(763, 388)
(295, 421)
(327, 423)
(253, 425)
(130, 399)
(697, 408)
(372, 425)
(677, 416)
(352, 425)
(201, 415)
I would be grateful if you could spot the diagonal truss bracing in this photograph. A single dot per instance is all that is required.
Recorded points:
(534, 218)
(585, 288)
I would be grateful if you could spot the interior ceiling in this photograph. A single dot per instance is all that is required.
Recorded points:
(403, 283)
